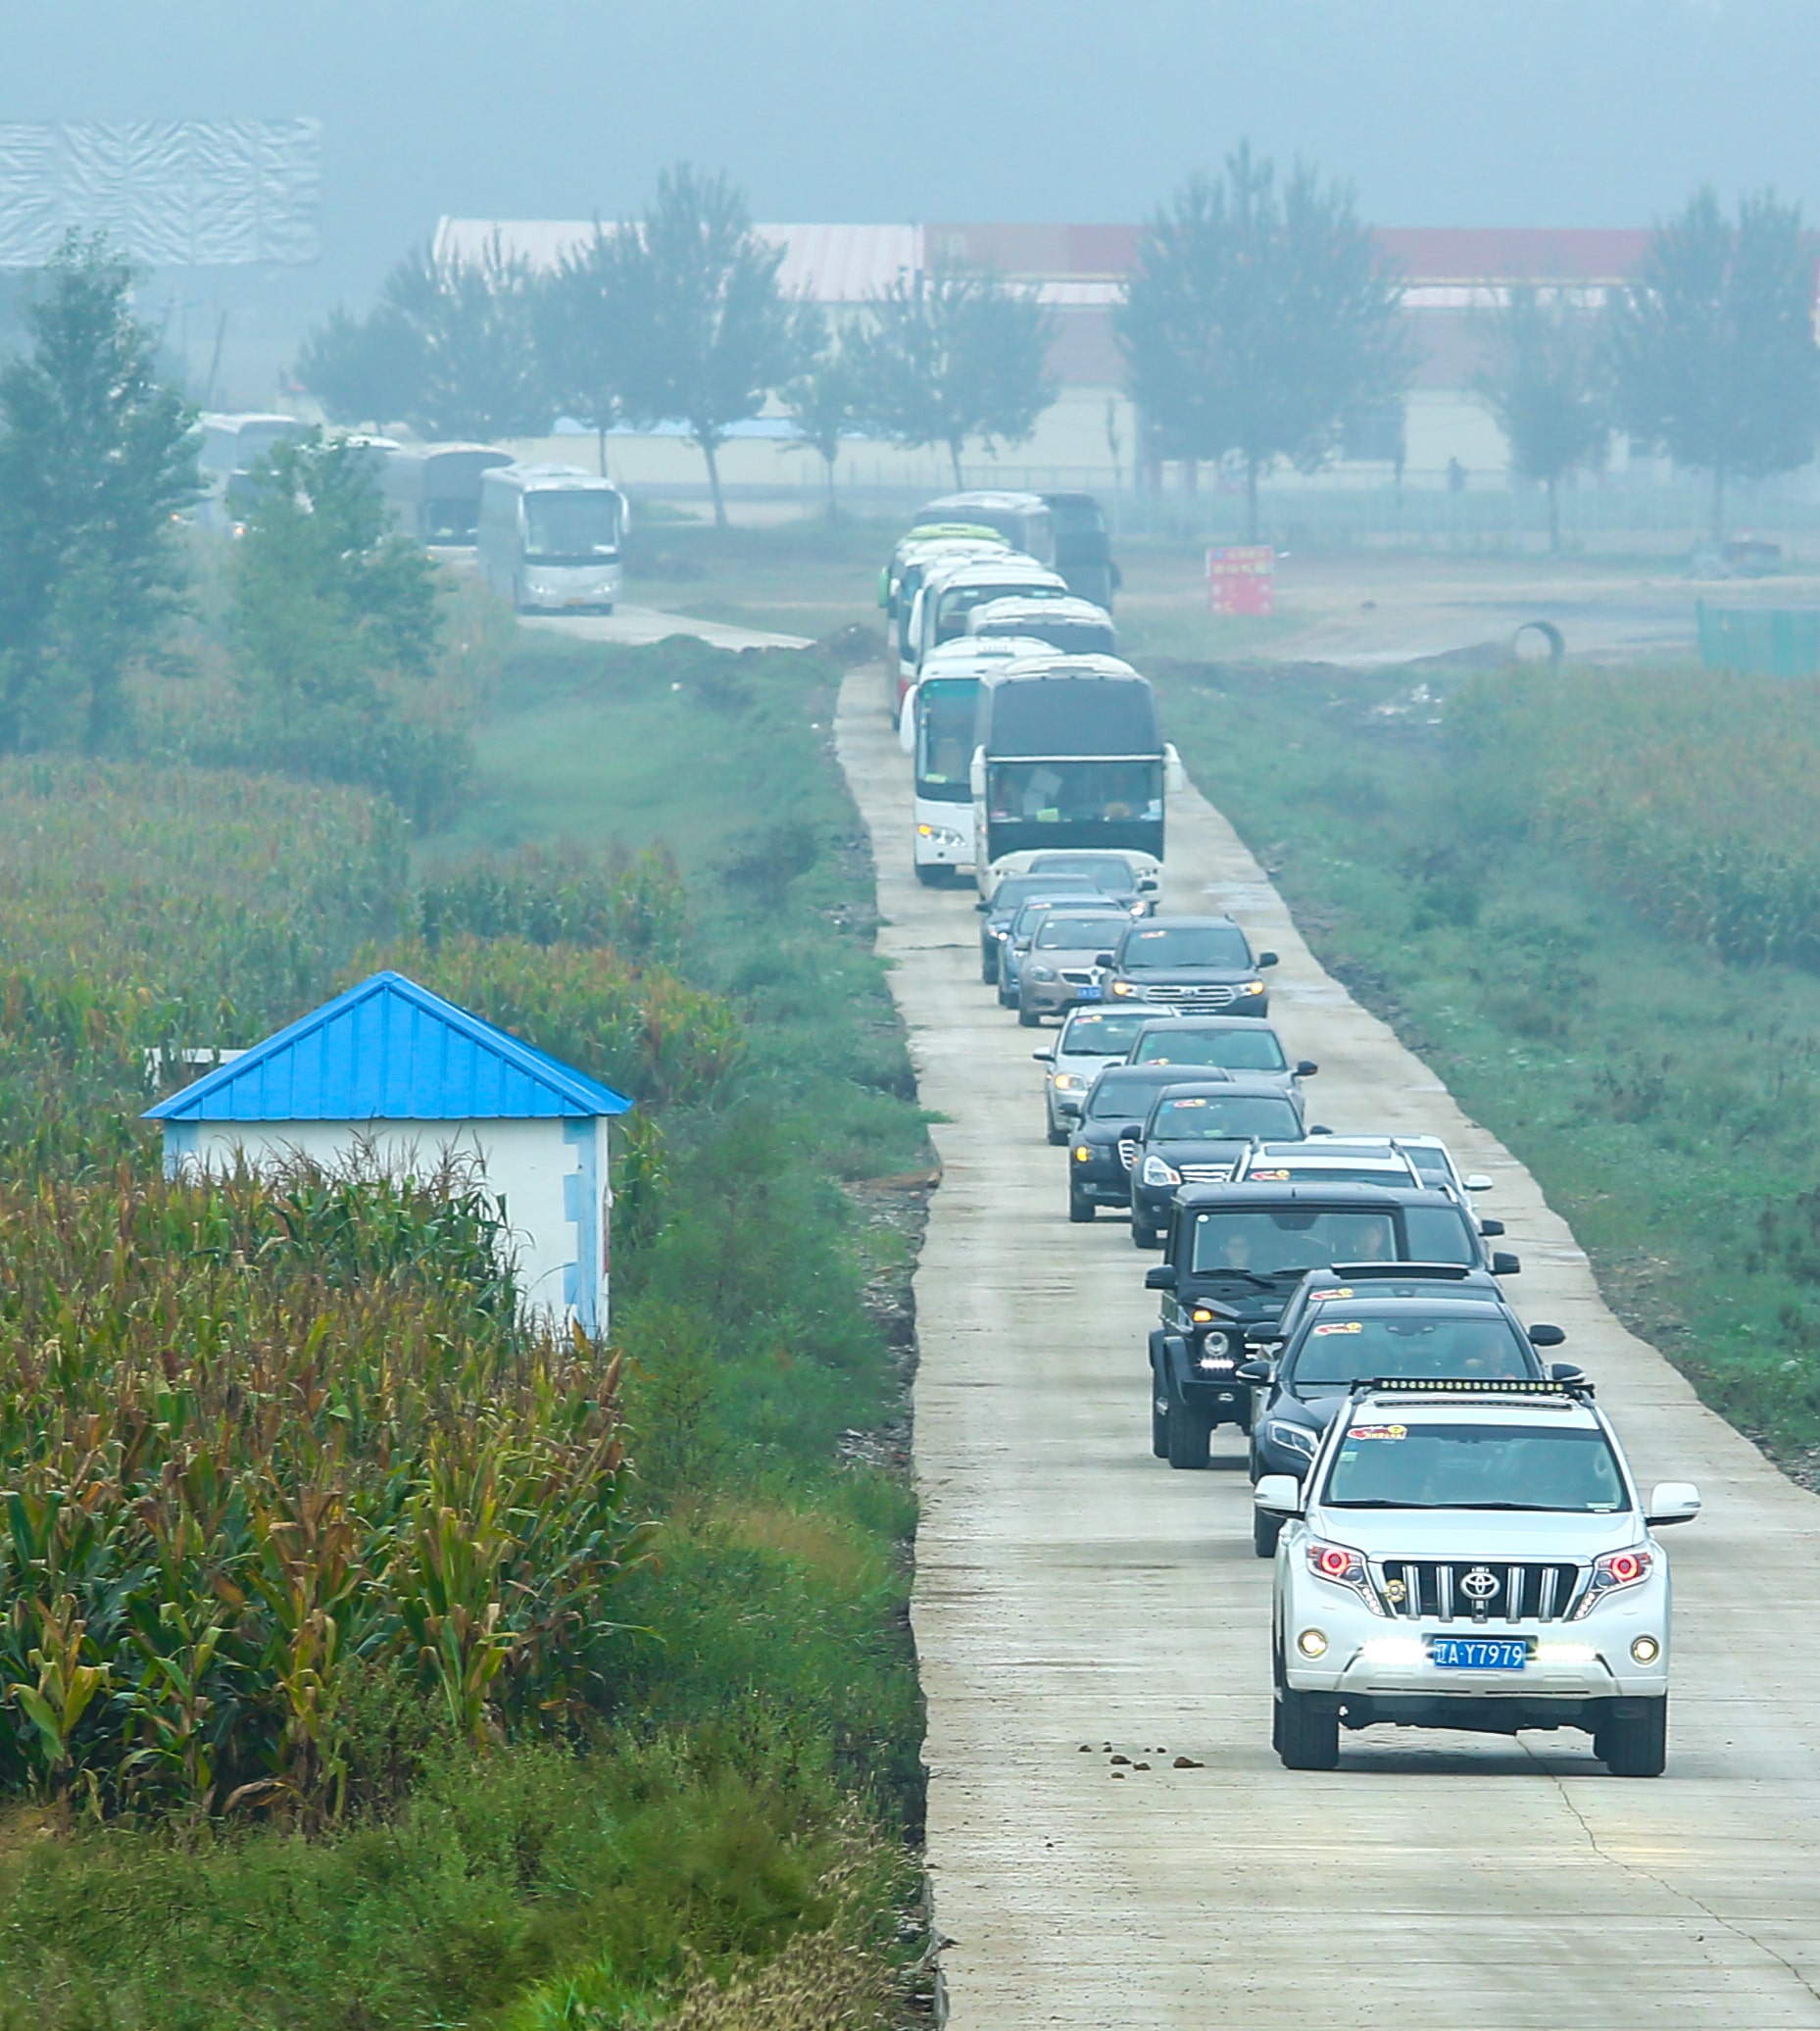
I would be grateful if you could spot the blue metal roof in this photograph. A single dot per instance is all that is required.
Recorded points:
(390, 1050)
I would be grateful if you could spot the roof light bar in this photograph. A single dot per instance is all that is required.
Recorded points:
(1449, 1385)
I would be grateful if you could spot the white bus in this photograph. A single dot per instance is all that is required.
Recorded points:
(950, 591)
(433, 490)
(549, 537)
(936, 730)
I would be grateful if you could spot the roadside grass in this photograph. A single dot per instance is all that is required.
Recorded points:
(1449, 846)
(725, 1802)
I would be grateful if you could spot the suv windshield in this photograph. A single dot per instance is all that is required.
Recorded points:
(1073, 933)
(1016, 889)
(1252, 1049)
(1031, 914)
(1436, 1234)
(1186, 945)
(1291, 1239)
(1105, 1033)
(1276, 1170)
(1222, 1117)
(1384, 1464)
(1121, 1100)
(1477, 1346)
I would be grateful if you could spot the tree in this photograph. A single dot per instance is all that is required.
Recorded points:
(96, 456)
(825, 399)
(1258, 318)
(588, 331)
(717, 334)
(1712, 349)
(451, 347)
(1540, 383)
(953, 354)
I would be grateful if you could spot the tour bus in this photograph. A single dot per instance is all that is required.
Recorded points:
(1084, 547)
(937, 730)
(230, 447)
(1023, 519)
(1077, 627)
(917, 563)
(891, 577)
(433, 490)
(549, 537)
(950, 590)
(1068, 752)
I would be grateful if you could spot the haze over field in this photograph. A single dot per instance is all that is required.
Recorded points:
(1446, 112)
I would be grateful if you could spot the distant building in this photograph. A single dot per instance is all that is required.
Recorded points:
(1092, 437)
(393, 1074)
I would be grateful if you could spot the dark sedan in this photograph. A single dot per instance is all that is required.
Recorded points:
(1012, 892)
(1105, 1138)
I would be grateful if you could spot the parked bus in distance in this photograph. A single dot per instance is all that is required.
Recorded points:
(1067, 753)
(891, 577)
(1076, 628)
(1023, 519)
(433, 490)
(549, 537)
(936, 730)
(232, 446)
(914, 565)
(952, 588)
(1084, 547)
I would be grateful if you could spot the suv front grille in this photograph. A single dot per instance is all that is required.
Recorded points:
(1203, 998)
(1127, 1151)
(1475, 1590)
(1206, 1173)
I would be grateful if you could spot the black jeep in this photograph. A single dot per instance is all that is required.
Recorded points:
(1237, 1255)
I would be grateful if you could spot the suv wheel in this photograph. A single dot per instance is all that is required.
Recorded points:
(1188, 1434)
(1635, 1747)
(1080, 1209)
(1143, 1234)
(1307, 1730)
(1027, 1017)
(988, 964)
(931, 876)
(1057, 1136)
(1159, 1420)
(1265, 1530)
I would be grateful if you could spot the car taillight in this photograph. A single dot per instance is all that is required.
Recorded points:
(1615, 1569)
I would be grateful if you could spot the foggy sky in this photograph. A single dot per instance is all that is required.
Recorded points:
(1444, 112)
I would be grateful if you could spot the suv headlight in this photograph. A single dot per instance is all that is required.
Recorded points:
(1342, 1566)
(1214, 1350)
(1616, 1570)
(1063, 1082)
(1123, 987)
(1038, 971)
(1157, 1172)
(1252, 987)
(1292, 1438)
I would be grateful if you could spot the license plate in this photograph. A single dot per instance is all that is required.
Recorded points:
(1477, 1654)
(1089, 993)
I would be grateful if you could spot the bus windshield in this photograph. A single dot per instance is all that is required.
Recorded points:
(1068, 637)
(944, 737)
(1067, 793)
(572, 526)
(953, 606)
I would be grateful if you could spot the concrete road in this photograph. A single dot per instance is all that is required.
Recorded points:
(1075, 1593)
(636, 625)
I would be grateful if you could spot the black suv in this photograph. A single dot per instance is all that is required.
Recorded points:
(1104, 1141)
(1237, 1255)
(1342, 1342)
(1202, 965)
(1192, 1136)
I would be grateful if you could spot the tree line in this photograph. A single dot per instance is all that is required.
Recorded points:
(680, 317)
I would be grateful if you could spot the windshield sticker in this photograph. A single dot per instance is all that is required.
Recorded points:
(1340, 1325)
(1270, 1177)
(1178, 1105)
(1324, 1296)
(1378, 1431)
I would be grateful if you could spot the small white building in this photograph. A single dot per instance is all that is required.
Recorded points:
(389, 1072)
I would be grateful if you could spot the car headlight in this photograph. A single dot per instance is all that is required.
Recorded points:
(1252, 987)
(1123, 987)
(1342, 1566)
(1215, 1351)
(941, 836)
(1157, 1172)
(1063, 1082)
(1041, 972)
(1616, 1570)
(1292, 1438)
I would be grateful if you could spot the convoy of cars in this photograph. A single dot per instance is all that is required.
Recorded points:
(1459, 1541)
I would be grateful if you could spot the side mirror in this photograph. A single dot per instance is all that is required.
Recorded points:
(1279, 1495)
(1547, 1336)
(1569, 1374)
(906, 721)
(1504, 1263)
(1672, 1502)
(1254, 1371)
(1268, 959)
(1264, 1336)
(1045, 1056)
(1477, 1181)
(976, 773)
(1491, 1230)
(1174, 775)
(1160, 1277)
(982, 904)
(1102, 959)
(1320, 1128)
(1131, 1131)
(1307, 1068)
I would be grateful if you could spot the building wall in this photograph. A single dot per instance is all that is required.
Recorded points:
(551, 1176)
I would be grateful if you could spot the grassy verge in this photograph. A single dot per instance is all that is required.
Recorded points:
(1436, 837)
(718, 1787)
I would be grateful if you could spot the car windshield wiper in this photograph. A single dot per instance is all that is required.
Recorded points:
(1554, 1509)
(1262, 1278)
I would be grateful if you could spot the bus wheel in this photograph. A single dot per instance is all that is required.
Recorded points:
(932, 876)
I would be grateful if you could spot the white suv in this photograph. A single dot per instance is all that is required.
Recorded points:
(1473, 1556)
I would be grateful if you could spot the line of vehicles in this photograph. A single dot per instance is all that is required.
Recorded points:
(547, 537)
(1458, 1539)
